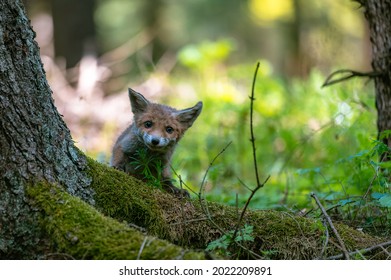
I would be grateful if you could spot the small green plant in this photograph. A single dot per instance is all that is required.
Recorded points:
(356, 189)
(150, 167)
(222, 245)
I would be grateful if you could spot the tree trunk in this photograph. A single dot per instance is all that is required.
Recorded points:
(34, 141)
(56, 203)
(377, 13)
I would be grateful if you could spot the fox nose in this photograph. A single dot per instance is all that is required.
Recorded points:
(155, 141)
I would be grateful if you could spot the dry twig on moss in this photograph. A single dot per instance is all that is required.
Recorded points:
(330, 222)
(363, 251)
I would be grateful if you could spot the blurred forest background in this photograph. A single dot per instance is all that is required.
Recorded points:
(309, 138)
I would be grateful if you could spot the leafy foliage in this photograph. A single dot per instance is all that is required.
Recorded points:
(308, 139)
(222, 244)
(149, 166)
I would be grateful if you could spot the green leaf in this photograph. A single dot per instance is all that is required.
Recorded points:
(245, 234)
(385, 134)
(221, 243)
(343, 202)
(385, 165)
(377, 195)
(385, 200)
(305, 171)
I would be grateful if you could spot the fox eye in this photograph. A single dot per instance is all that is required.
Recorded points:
(169, 129)
(148, 124)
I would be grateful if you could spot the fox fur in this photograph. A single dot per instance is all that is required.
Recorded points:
(151, 140)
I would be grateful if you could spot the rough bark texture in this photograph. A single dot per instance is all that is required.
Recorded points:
(377, 13)
(34, 141)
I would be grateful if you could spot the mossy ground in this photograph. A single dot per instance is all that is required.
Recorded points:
(278, 235)
(77, 230)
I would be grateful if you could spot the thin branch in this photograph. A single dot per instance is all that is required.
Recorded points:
(142, 247)
(237, 206)
(252, 253)
(369, 187)
(246, 205)
(361, 255)
(326, 240)
(348, 74)
(362, 251)
(259, 184)
(252, 139)
(205, 208)
(385, 251)
(181, 182)
(141, 229)
(343, 248)
(209, 167)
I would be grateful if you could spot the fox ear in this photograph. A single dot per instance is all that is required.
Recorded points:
(188, 116)
(138, 102)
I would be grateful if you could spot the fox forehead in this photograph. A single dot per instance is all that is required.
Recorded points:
(160, 115)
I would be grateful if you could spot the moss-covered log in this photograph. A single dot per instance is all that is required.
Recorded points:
(278, 235)
(74, 229)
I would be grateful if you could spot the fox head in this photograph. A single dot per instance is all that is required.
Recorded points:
(160, 126)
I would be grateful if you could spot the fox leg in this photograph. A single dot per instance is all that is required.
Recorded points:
(169, 187)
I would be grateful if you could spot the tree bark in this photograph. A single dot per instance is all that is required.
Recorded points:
(34, 141)
(56, 203)
(377, 13)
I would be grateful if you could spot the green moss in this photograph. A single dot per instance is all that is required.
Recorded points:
(77, 229)
(125, 198)
(278, 235)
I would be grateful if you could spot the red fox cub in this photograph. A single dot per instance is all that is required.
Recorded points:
(145, 148)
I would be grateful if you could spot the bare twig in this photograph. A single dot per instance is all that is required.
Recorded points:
(253, 254)
(362, 251)
(258, 183)
(371, 183)
(237, 206)
(252, 139)
(361, 255)
(326, 240)
(246, 205)
(141, 229)
(209, 167)
(348, 74)
(142, 247)
(205, 207)
(243, 184)
(181, 182)
(385, 251)
(341, 243)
